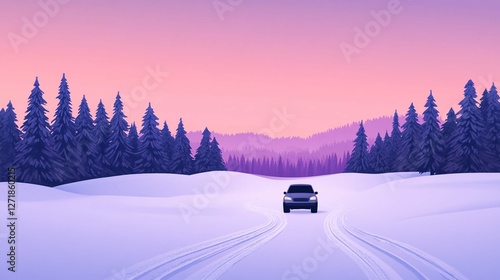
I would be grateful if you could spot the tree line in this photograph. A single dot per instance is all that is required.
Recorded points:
(468, 141)
(73, 149)
(284, 167)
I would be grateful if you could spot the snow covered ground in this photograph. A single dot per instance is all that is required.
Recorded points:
(225, 225)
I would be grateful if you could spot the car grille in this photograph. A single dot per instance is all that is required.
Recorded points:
(301, 199)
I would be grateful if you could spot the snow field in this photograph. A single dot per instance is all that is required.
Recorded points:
(226, 225)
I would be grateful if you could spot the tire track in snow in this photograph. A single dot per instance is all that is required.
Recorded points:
(388, 253)
(370, 264)
(217, 268)
(337, 225)
(447, 271)
(174, 261)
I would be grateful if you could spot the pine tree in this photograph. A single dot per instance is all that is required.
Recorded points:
(449, 125)
(202, 160)
(253, 166)
(467, 152)
(394, 145)
(216, 159)
(133, 139)
(358, 162)
(345, 160)
(182, 161)
(378, 157)
(410, 142)
(102, 135)
(117, 156)
(300, 167)
(280, 168)
(386, 145)
(241, 164)
(447, 130)
(484, 105)
(310, 168)
(319, 167)
(493, 129)
(334, 164)
(37, 161)
(231, 163)
(151, 154)
(85, 136)
(10, 135)
(432, 145)
(289, 168)
(168, 143)
(64, 134)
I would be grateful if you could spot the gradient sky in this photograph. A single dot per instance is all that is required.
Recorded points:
(233, 73)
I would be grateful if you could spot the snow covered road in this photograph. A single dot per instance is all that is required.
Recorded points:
(365, 249)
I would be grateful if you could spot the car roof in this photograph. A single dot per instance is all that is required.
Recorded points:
(300, 185)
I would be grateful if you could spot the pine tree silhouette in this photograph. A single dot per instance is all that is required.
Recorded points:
(394, 144)
(102, 135)
(300, 167)
(202, 160)
(10, 135)
(151, 153)
(133, 138)
(358, 162)
(182, 161)
(37, 161)
(310, 168)
(449, 125)
(85, 136)
(378, 156)
(280, 168)
(467, 151)
(484, 105)
(168, 143)
(386, 147)
(410, 142)
(64, 134)
(493, 129)
(216, 160)
(447, 130)
(117, 156)
(432, 146)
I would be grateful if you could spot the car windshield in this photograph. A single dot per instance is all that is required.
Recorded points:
(300, 189)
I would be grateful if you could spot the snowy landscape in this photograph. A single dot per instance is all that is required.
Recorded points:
(228, 225)
(161, 139)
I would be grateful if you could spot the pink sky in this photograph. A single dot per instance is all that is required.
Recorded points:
(233, 74)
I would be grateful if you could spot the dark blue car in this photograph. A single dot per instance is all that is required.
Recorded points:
(300, 196)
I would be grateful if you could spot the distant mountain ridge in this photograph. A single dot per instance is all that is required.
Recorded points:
(333, 141)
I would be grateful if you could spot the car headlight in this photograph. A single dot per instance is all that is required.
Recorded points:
(287, 198)
(313, 198)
